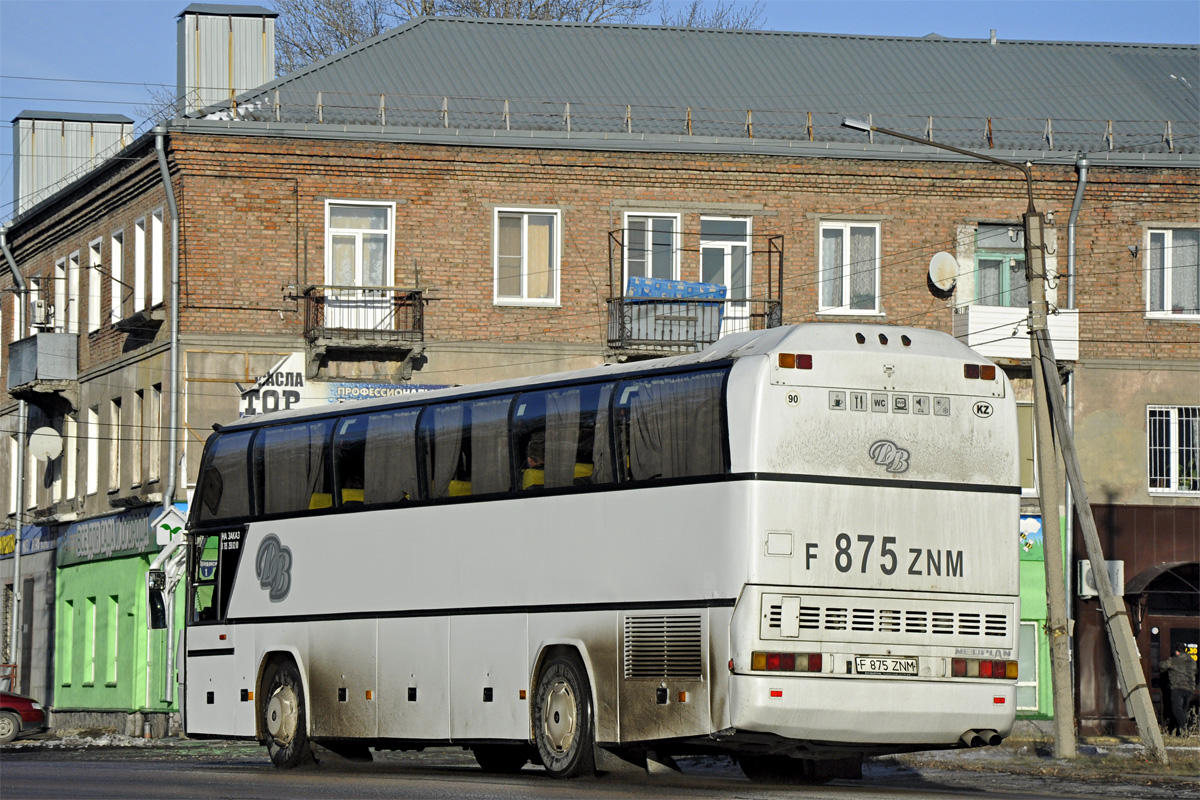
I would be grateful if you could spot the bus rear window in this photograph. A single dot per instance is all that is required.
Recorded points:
(224, 490)
(670, 426)
(292, 466)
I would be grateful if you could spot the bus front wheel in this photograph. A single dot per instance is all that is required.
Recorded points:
(562, 718)
(285, 718)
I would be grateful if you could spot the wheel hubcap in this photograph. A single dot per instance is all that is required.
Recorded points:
(6, 726)
(558, 717)
(282, 715)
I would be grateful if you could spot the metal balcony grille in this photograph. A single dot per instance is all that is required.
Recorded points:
(367, 315)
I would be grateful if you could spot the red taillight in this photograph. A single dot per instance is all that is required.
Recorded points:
(803, 362)
(971, 371)
(774, 661)
(985, 669)
(814, 662)
(958, 668)
(795, 361)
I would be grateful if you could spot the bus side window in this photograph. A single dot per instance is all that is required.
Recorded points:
(224, 491)
(488, 445)
(349, 450)
(292, 467)
(204, 579)
(443, 450)
(390, 457)
(671, 427)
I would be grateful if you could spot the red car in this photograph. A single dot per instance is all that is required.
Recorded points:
(19, 716)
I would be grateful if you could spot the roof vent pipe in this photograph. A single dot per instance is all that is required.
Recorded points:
(992, 37)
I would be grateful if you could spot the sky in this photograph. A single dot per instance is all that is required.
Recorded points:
(110, 56)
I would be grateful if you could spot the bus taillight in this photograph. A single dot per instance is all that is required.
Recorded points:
(974, 668)
(795, 361)
(786, 662)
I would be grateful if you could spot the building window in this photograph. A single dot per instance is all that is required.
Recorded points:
(1000, 266)
(116, 266)
(652, 246)
(1027, 668)
(725, 259)
(527, 259)
(850, 267)
(113, 618)
(135, 441)
(92, 480)
(94, 282)
(1173, 272)
(1173, 434)
(73, 293)
(139, 264)
(156, 258)
(358, 243)
(66, 643)
(14, 489)
(1028, 451)
(89, 641)
(155, 432)
(70, 456)
(115, 437)
(59, 316)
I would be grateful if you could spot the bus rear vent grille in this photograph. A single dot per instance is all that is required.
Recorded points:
(897, 622)
(665, 646)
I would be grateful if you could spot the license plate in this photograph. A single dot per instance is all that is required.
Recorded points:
(884, 665)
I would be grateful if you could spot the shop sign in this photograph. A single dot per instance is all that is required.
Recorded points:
(34, 539)
(124, 534)
(285, 387)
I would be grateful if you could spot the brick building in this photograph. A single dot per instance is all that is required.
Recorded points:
(381, 221)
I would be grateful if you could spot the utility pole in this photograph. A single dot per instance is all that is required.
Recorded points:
(1055, 439)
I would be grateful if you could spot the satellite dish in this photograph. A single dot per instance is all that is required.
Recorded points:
(943, 271)
(45, 444)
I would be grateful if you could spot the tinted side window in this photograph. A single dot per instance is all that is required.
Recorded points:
(560, 437)
(224, 490)
(390, 457)
(465, 447)
(670, 426)
(292, 462)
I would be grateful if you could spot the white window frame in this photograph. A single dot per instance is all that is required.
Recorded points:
(843, 309)
(115, 438)
(139, 264)
(95, 291)
(136, 447)
(389, 267)
(1168, 265)
(92, 468)
(116, 266)
(676, 240)
(1173, 444)
(72, 316)
(70, 455)
(14, 490)
(555, 260)
(156, 257)
(155, 431)
(59, 319)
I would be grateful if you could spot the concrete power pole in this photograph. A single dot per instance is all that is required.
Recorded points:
(1047, 461)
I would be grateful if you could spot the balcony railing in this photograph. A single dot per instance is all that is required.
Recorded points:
(364, 315)
(679, 324)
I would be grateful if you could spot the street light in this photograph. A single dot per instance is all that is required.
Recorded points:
(1048, 403)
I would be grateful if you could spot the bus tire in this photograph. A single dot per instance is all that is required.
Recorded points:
(562, 718)
(285, 719)
(502, 759)
(782, 769)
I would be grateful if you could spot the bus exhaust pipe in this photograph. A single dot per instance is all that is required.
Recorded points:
(971, 739)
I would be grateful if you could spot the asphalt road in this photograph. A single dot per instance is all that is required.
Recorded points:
(235, 770)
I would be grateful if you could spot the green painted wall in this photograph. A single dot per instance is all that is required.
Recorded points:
(106, 660)
(1033, 610)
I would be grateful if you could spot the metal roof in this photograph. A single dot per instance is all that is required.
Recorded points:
(456, 73)
(226, 10)
(67, 116)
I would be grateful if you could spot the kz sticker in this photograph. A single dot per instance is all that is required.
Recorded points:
(273, 565)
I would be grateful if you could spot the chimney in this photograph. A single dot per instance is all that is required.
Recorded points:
(53, 148)
(223, 51)
(992, 37)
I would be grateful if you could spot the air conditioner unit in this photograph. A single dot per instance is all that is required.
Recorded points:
(1086, 585)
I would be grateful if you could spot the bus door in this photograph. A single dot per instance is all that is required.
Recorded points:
(215, 689)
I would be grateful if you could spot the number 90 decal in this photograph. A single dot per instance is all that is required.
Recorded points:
(793, 398)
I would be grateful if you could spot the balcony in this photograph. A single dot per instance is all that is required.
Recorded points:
(378, 318)
(45, 368)
(1000, 332)
(667, 325)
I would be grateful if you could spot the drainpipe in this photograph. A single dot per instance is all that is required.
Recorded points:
(173, 425)
(1081, 165)
(22, 444)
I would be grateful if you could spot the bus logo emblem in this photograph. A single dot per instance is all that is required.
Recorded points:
(982, 410)
(888, 454)
(273, 565)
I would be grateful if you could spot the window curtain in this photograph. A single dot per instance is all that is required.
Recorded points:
(390, 457)
(831, 268)
(1157, 265)
(444, 439)
(602, 462)
(539, 260)
(1185, 271)
(675, 427)
(862, 268)
(508, 255)
(489, 445)
(562, 437)
(293, 467)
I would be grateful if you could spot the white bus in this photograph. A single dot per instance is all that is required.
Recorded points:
(797, 547)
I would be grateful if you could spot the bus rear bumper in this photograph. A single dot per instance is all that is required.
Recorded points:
(870, 711)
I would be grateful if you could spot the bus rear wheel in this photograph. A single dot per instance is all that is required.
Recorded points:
(284, 717)
(562, 719)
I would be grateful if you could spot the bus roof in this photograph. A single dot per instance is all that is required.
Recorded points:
(808, 337)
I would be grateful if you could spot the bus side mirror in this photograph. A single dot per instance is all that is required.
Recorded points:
(156, 606)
